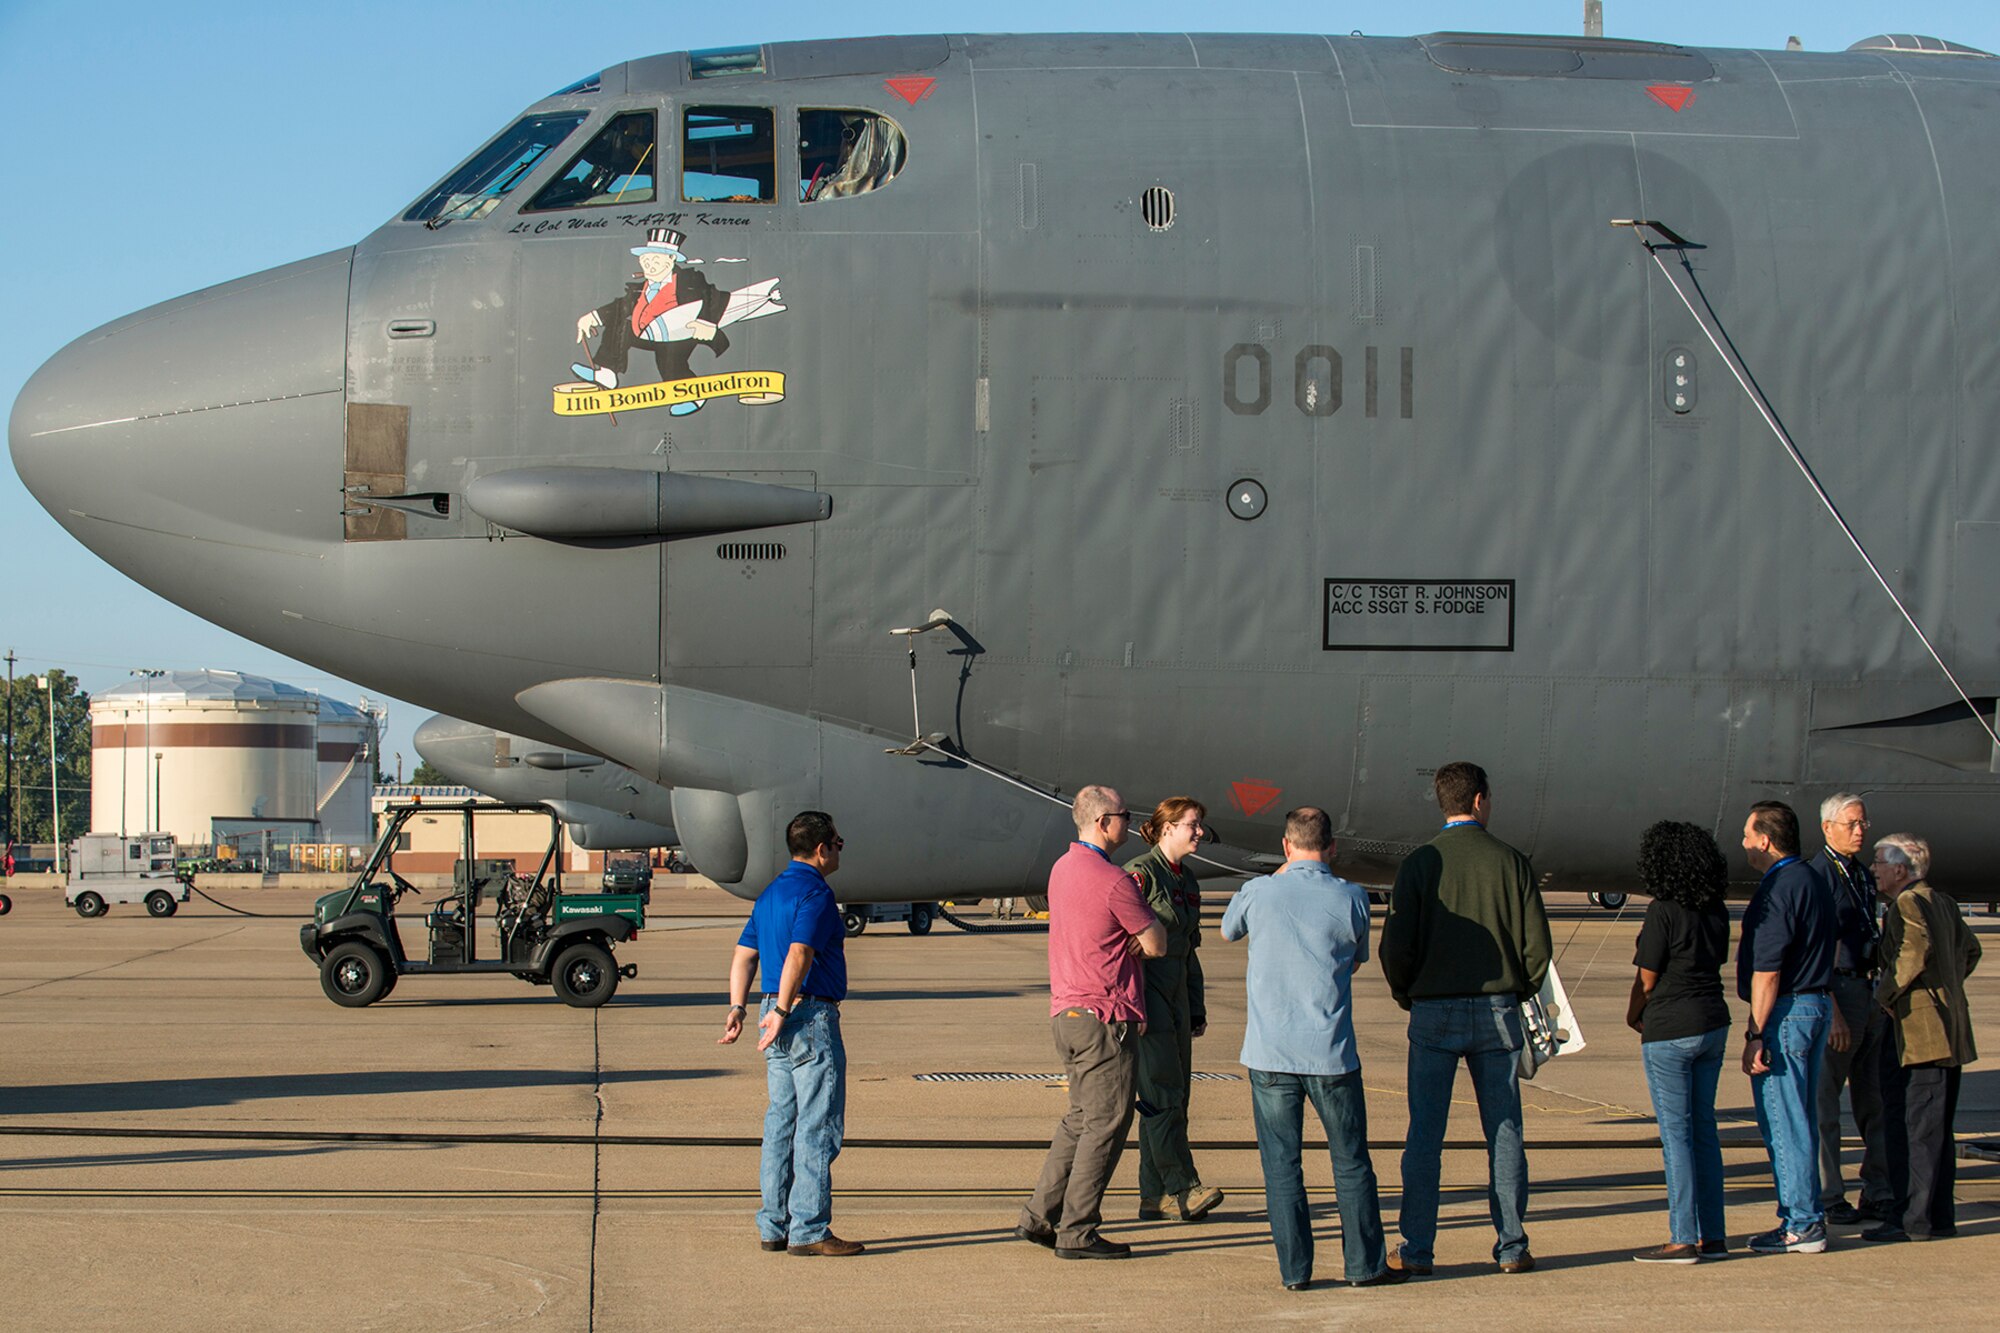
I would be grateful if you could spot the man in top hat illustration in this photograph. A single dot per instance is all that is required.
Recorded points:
(667, 310)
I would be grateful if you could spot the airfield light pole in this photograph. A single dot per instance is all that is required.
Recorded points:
(149, 675)
(8, 822)
(124, 766)
(156, 785)
(48, 684)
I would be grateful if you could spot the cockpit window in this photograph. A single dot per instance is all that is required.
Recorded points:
(729, 155)
(590, 84)
(473, 190)
(617, 167)
(722, 61)
(844, 153)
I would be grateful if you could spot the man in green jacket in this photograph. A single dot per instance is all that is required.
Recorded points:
(1465, 942)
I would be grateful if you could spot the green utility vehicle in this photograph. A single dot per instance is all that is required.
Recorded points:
(533, 931)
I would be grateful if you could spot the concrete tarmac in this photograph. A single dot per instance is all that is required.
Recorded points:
(173, 1095)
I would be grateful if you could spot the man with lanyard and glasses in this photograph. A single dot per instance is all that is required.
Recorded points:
(1859, 1025)
(1099, 924)
(1784, 965)
(796, 939)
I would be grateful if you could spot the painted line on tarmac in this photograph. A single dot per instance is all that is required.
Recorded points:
(1246, 1189)
(123, 962)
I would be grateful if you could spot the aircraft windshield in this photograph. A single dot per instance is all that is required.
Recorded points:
(729, 154)
(473, 190)
(618, 167)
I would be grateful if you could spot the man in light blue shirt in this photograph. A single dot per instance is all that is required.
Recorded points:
(1308, 931)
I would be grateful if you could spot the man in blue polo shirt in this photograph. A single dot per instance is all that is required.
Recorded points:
(795, 939)
(1784, 967)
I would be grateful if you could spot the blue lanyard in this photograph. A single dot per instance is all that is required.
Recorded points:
(1775, 869)
(1463, 823)
(1079, 842)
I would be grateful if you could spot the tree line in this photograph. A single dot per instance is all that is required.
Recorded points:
(27, 704)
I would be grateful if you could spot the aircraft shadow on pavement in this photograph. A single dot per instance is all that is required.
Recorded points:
(195, 1156)
(173, 1094)
(703, 999)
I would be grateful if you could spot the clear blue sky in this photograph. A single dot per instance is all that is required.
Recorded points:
(150, 150)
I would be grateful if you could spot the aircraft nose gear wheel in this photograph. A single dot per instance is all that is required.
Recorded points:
(161, 903)
(354, 974)
(853, 922)
(89, 904)
(584, 976)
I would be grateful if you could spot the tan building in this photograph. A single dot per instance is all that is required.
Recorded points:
(431, 844)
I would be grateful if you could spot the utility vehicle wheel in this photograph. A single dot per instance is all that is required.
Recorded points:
(1038, 902)
(89, 904)
(920, 920)
(584, 976)
(161, 903)
(6, 904)
(1611, 901)
(354, 974)
(853, 922)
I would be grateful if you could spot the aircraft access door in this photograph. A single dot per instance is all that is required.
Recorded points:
(739, 600)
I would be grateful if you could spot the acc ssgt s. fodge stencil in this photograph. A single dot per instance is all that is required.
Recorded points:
(671, 311)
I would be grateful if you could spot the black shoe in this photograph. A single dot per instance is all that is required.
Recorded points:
(1388, 1277)
(770, 1246)
(1888, 1231)
(1943, 1233)
(1844, 1214)
(1714, 1248)
(1045, 1239)
(1298, 1286)
(1875, 1212)
(1099, 1248)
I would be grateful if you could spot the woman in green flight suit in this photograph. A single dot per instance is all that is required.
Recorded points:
(1176, 1013)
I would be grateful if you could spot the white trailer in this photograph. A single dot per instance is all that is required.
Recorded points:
(106, 868)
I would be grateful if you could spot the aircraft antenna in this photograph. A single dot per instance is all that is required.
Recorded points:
(1711, 327)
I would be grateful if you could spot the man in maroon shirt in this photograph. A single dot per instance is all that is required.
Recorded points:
(1099, 925)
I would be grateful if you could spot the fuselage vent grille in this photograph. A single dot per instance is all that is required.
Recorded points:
(750, 551)
(1156, 205)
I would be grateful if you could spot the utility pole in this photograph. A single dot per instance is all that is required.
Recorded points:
(9, 820)
(55, 801)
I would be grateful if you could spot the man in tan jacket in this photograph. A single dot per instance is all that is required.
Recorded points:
(1926, 953)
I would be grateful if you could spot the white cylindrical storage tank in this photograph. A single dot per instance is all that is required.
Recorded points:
(349, 739)
(174, 752)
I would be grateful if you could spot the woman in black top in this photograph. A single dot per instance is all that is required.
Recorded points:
(1683, 1024)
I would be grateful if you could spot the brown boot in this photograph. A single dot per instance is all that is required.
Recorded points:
(829, 1246)
(1199, 1202)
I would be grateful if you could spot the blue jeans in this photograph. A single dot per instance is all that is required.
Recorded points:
(1278, 1102)
(806, 1069)
(1787, 1101)
(1682, 1073)
(1485, 1032)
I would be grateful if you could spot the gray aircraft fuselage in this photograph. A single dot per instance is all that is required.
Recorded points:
(1277, 418)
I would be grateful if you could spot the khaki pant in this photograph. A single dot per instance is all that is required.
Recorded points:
(1097, 1056)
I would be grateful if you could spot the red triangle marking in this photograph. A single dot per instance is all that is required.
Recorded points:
(912, 90)
(1669, 96)
(1253, 797)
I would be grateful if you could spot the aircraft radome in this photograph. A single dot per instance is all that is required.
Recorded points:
(1274, 418)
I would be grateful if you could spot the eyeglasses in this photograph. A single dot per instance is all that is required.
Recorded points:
(1116, 814)
(1854, 825)
(838, 843)
(1185, 823)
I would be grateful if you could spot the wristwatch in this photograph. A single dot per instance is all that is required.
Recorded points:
(738, 1009)
(780, 1010)
(1752, 1034)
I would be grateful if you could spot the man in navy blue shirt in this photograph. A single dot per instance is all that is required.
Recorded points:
(1784, 967)
(795, 939)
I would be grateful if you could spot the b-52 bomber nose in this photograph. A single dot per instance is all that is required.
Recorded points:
(183, 442)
